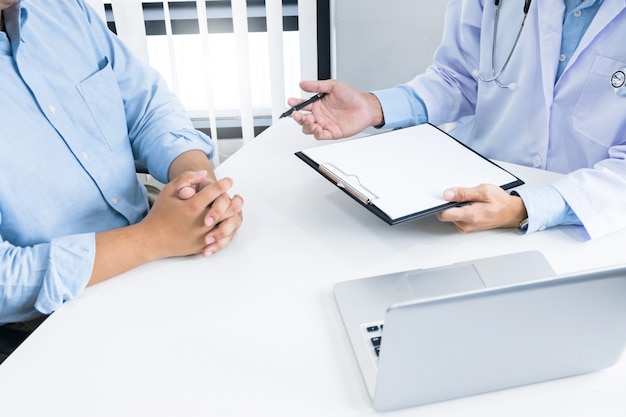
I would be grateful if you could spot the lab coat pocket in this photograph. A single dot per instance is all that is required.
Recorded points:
(599, 112)
(104, 101)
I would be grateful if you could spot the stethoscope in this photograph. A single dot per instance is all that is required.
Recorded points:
(495, 75)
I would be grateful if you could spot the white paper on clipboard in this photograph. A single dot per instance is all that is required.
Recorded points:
(404, 172)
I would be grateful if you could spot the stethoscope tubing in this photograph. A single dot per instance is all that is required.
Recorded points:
(496, 75)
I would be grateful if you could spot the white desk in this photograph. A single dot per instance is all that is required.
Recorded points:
(253, 330)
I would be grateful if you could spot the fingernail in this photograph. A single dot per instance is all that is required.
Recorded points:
(209, 240)
(209, 221)
(448, 195)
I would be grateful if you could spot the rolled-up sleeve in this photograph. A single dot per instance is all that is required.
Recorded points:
(70, 264)
(39, 279)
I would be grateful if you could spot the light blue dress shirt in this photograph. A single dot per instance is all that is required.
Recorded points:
(76, 111)
(403, 107)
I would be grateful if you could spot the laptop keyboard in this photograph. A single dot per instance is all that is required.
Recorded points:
(373, 333)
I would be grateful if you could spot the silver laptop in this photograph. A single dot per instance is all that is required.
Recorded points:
(480, 326)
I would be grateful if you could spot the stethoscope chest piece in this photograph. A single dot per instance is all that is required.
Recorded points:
(618, 81)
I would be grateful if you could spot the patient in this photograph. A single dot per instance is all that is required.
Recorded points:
(77, 111)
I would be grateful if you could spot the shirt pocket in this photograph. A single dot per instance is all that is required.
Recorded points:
(104, 102)
(599, 112)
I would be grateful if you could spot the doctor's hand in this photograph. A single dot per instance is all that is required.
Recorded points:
(490, 207)
(343, 112)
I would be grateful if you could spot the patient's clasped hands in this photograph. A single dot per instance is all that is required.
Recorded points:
(193, 215)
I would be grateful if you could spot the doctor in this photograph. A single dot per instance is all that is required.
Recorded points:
(537, 83)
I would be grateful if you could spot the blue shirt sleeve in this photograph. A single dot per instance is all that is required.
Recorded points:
(546, 208)
(69, 253)
(402, 107)
(35, 278)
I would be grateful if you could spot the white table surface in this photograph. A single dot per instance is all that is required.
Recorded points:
(254, 331)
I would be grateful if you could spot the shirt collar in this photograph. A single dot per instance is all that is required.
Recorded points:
(14, 18)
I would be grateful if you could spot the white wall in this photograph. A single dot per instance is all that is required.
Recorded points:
(381, 43)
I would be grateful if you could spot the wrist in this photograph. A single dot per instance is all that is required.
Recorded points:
(193, 160)
(146, 245)
(520, 215)
(375, 110)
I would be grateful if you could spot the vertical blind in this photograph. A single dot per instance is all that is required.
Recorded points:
(230, 61)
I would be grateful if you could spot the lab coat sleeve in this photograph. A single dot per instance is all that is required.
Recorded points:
(448, 88)
(597, 195)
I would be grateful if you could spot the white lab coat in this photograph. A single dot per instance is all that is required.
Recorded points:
(576, 126)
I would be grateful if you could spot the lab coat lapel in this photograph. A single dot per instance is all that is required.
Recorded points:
(550, 24)
(607, 12)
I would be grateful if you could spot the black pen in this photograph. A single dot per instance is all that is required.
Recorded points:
(302, 105)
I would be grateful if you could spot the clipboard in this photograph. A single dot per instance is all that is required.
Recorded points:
(400, 175)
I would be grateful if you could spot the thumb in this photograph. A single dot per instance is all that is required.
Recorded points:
(184, 186)
(456, 195)
(318, 86)
(186, 192)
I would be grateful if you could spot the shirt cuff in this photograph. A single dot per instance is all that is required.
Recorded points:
(546, 207)
(71, 261)
(401, 106)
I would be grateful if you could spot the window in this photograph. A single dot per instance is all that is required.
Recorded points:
(223, 66)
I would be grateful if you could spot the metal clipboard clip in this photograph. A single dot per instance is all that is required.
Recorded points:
(348, 182)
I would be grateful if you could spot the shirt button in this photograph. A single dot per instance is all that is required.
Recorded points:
(114, 201)
(577, 13)
(542, 228)
(53, 109)
(562, 57)
(85, 155)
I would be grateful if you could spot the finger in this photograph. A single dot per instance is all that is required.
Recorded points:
(309, 126)
(455, 214)
(211, 192)
(307, 86)
(224, 230)
(222, 235)
(231, 221)
(223, 208)
(322, 134)
(187, 192)
(186, 179)
(294, 101)
(300, 118)
(316, 86)
(217, 210)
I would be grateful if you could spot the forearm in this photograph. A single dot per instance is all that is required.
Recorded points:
(194, 160)
(120, 250)
(174, 226)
